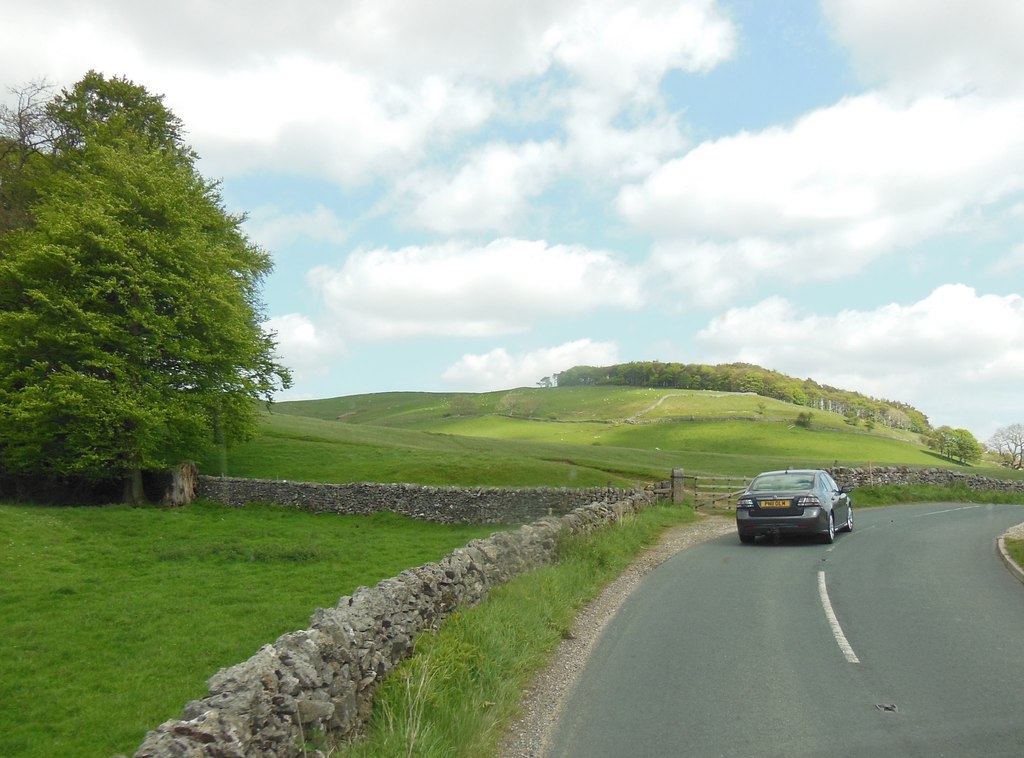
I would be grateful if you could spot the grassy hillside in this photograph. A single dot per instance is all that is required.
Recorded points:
(571, 437)
(422, 410)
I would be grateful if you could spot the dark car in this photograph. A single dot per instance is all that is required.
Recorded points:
(800, 501)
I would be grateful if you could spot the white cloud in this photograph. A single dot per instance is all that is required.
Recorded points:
(1012, 261)
(600, 148)
(355, 91)
(499, 369)
(345, 126)
(488, 192)
(955, 352)
(825, 197)
(694, 274)
(922, 46)
(270, 226)
(626, 49)
(455, 289)
(303, 347)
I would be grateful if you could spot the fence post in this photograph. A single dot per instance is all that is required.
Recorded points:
(677, 485)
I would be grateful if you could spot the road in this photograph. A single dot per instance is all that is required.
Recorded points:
(903, 638)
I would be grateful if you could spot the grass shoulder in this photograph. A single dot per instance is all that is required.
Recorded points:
(868, 496)
(1016, 550)
(463, 686)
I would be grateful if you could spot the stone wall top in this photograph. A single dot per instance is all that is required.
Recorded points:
(473, 505)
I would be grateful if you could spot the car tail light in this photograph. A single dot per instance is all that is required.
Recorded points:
(745, 502)
(808, 501)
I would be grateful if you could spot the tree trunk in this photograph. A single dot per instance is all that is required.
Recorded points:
(134, 494)
(182, 488)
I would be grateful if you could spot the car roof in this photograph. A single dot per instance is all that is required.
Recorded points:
(811, 472)
(790, 480)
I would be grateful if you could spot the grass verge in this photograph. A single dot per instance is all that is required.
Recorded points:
(893, 494)
(114, 617)
(462, 687)
(1016, 550)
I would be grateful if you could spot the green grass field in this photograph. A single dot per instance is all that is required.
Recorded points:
(114, 617)
(562, 437)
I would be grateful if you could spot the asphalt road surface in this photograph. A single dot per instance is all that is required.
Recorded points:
(903, 638)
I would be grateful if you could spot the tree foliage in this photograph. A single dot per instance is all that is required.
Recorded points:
(130, 316)
(804, 419)
(745, 377)
(955, 444)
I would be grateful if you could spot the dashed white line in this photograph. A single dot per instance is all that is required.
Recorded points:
(948, 510)
(833, 622)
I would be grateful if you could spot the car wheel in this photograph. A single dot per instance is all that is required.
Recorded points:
(849, 521)
(746, 539)
(830, 536)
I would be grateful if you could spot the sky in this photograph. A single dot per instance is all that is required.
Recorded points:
(471, 195)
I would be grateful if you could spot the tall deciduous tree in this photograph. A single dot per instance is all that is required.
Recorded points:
(26, 137)
(966, 448)
(1008, 443)
(958, 444)
(130, 319)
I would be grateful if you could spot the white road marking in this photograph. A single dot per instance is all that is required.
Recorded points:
(948, 510)
(837, 631)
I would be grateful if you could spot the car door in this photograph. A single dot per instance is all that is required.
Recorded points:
(840, 502)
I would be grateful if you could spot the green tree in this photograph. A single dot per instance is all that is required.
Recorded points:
(956, 444)
(130, 333)
(940, 440)
(966, 448)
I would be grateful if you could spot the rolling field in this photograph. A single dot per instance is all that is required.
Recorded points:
(564, 437)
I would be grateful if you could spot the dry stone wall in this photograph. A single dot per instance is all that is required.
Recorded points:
(323, 679)
(941, 477)
(465, 505)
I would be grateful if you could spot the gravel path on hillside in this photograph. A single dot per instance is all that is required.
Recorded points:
(544, 699)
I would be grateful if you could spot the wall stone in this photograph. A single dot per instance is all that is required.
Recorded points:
(941, 477)
(323, 679)
(448, 505)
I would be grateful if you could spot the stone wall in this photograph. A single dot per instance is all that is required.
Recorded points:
(465, 505)
(941, 477)
(323, 679)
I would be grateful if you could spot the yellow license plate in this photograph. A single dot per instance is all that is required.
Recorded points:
(774, 503)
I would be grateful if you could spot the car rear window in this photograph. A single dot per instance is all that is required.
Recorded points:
(782, 482)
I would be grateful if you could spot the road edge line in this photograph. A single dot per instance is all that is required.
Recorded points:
(837, 631)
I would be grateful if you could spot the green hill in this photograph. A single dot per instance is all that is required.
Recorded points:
(746, 377)
(558, 436)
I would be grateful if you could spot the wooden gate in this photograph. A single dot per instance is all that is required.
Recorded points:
(709, 491)
(718, 491)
